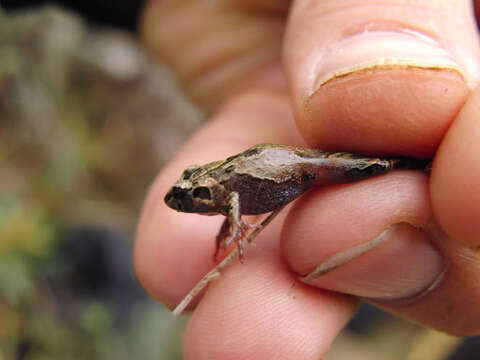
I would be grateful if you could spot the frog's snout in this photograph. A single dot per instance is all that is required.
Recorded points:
(179, 199)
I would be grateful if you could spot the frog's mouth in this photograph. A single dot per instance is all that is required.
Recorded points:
(179, 199)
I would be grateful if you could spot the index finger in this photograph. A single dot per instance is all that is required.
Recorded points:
(174, 250)
(248, 312)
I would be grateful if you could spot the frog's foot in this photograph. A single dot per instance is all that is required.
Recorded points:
(236, 230)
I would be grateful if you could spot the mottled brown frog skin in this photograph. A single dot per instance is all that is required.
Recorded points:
(265, 178)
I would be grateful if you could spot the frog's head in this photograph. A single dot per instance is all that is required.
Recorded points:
(195, 192)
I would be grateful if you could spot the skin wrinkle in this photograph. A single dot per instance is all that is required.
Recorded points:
(437, 282)
(406, 286)
(387, 25)
(337, 7)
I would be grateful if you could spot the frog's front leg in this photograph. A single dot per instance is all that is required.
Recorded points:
(233, 227)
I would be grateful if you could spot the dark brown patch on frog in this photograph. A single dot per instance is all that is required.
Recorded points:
(259, 196)
(253, 151)
(250, 152)
(411, 163)
(188, 172)
(355, 174)
(202, 192)
(309, 177)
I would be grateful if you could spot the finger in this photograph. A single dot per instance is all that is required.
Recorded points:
(328, 221)
(173, 250)
(249, 309)
(418, 273)
(195, 37)
(380, 77)
(259, 311)
(455, 182)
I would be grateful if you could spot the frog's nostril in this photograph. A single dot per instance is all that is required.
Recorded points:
(179, 193)
(178, 198)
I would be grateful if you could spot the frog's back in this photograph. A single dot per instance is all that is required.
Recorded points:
(278, 163)
(269, 176)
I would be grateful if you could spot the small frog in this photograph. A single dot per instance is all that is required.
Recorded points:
(266, 177)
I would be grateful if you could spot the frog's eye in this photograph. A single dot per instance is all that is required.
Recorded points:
(189, 171)
(202, 192)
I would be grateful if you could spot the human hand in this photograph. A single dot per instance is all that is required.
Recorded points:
(406, 108)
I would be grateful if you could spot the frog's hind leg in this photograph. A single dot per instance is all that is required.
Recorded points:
(233, 228)
(345, 256)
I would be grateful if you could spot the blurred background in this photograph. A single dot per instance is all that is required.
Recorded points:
(86, 121)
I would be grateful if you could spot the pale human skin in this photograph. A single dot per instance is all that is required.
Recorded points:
(422, 104)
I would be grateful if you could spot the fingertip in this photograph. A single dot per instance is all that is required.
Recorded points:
(394, 111)
(379, 79)
(455, 186)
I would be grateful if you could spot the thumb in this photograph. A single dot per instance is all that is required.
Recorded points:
(380, 76)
